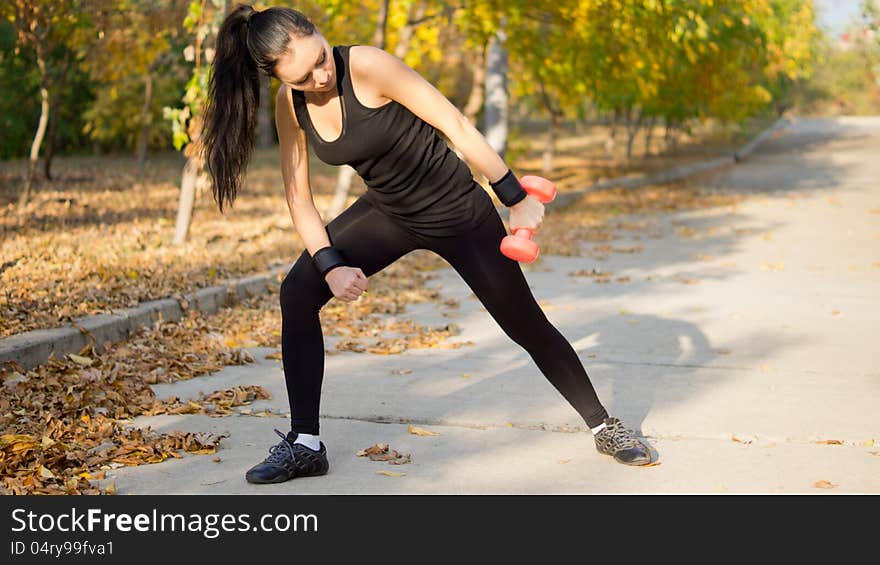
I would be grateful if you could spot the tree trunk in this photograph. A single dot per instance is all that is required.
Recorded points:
(264, 117)
(550, 147)
(51, 132)
(53, 110)
(632, 128)
(380, 34)
(496, 105)
(612, 133)
(340, 193)
(555, 122)
(649, 135)
(669, 137)
(404, 36)
(187, 199)
(475, 99)
(144, 138)
(41, 130)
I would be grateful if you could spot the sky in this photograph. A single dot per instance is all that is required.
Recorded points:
(835, 15)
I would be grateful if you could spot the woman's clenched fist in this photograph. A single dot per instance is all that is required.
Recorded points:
(346, 283)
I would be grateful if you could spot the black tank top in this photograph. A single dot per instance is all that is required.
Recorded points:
(411, 173)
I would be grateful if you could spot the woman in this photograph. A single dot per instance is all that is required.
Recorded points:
(359, 105)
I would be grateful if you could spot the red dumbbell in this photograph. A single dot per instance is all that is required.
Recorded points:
(520, 246)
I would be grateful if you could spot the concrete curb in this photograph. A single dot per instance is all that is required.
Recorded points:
(32, 348)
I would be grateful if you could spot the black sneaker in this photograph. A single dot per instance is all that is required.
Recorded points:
(621, 443)
(288, 460)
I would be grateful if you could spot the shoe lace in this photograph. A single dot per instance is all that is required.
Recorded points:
(620, 436)
(280, 452)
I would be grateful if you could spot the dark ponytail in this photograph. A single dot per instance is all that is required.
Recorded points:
(249, 42)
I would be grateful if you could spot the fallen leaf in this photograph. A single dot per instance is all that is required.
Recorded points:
(374, 449)
(46, 473)
(421, 431)
(84, 361)
(390, 474)
(830, 441)
(275, 355)
(740, 440)
(824, 484)
(400, 459)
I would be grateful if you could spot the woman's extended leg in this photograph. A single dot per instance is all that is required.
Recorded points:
(500, 285)
(367, 239)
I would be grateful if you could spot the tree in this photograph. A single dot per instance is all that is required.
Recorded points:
(131, 61)
(44, 25)
(203, 21)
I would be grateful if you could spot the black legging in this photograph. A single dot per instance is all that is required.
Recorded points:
(369, 239)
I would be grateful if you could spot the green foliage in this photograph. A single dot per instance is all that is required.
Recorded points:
(672, 59)
(114, 119)
(20, 103)
(202, 24)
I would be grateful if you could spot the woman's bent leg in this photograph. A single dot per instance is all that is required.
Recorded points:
(500, 285)
(367, 239)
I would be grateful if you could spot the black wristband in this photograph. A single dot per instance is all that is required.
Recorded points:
(328, 258)
(508, 189)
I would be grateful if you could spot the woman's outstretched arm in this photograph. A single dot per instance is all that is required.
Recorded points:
(396, 80)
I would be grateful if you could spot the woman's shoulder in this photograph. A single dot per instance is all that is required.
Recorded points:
(366, 58)
(364, 62)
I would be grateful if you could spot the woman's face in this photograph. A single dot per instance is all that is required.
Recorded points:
(308, 64)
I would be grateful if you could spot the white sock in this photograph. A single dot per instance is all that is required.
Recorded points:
(310, 441)
(599, 428)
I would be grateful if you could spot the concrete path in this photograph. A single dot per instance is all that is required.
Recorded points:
(734, 379)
